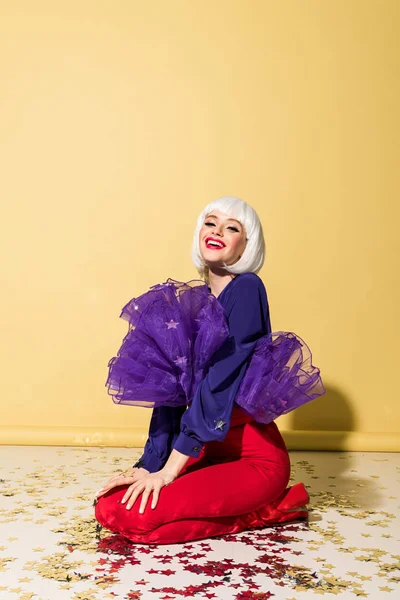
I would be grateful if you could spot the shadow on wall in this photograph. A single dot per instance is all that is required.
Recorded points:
(330, 412)
(339, 481)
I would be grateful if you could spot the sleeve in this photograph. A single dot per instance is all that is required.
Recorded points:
(163, 431)
(208, 416)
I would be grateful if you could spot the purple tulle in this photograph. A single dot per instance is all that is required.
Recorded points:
(279, 378)
(175, 329)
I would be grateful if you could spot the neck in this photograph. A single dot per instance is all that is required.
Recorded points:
(218, 279)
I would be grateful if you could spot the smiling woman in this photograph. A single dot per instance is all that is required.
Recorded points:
(202, 354)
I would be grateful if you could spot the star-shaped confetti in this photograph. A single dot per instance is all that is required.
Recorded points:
(87, 560)
(181, 361)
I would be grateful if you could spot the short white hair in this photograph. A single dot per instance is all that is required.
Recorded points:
(253, 256)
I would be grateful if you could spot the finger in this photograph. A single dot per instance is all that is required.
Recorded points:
(125, 474)
(156, 495)
(135, 494)
(114, 477)
(107, 484)
(135, 485)
(117, 482)
(145, 497)
(110, 482)
(128, 494)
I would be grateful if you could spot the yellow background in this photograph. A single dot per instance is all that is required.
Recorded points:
(121, 119)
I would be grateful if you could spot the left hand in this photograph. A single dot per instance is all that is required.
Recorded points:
(122, 479)
(151, 483)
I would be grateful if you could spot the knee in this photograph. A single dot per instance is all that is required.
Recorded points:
(134, 522)
(113, 515)
(105, 510)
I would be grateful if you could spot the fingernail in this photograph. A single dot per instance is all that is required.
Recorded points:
(128, 507)
(140, 511)
(123, 500)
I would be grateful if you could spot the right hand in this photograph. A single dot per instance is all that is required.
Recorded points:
(127, 478)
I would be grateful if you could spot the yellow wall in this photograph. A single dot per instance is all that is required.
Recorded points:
(120, 120)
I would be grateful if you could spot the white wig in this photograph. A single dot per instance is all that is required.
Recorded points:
(252, 258)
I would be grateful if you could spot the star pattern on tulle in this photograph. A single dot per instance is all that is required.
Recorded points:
(136, 306)
(160, 286)
(181, 361)
(220, 424)
(171, 324)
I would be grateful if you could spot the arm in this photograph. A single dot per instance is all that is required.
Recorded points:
(163, 431)
(209, 414)
(208, 417)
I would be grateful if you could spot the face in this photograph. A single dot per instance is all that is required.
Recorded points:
(230, 237)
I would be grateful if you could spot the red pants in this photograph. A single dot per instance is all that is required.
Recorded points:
(232, 486)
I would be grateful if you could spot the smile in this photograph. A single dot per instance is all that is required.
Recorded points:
(214, 244)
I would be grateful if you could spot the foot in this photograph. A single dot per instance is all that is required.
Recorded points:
(291, 506)
(294, 497)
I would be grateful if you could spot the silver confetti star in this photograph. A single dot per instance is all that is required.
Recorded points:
(171, 324)
(181, 361)
(220, 424)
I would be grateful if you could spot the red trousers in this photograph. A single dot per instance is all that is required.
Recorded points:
(234, 485)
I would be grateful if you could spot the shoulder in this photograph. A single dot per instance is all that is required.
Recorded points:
(249, 281)
(248, 287)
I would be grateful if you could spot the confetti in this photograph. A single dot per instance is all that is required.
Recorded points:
(347, 547)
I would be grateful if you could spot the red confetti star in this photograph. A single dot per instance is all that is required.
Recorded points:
(167, 572)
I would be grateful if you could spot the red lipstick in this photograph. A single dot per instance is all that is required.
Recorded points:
(219, 244)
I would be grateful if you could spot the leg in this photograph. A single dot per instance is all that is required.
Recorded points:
(106, 506)
(205, 502)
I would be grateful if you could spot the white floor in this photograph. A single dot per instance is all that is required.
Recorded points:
(50, 549)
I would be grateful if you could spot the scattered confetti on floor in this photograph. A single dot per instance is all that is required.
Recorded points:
(51, 548)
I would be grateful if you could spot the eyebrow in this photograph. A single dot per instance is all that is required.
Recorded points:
(230, 219)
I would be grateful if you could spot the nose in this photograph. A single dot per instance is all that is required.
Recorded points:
(216, 232)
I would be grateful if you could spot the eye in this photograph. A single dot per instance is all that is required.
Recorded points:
(230, 226)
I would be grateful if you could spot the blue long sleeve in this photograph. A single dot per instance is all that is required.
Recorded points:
(163, 431)
(208, 416)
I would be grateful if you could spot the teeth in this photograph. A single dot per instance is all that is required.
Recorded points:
(212, 243)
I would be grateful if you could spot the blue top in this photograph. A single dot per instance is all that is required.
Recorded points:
(208, 416)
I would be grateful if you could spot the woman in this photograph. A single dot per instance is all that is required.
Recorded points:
(218, 465)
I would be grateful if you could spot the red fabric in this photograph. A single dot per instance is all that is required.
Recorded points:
(232, 486)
